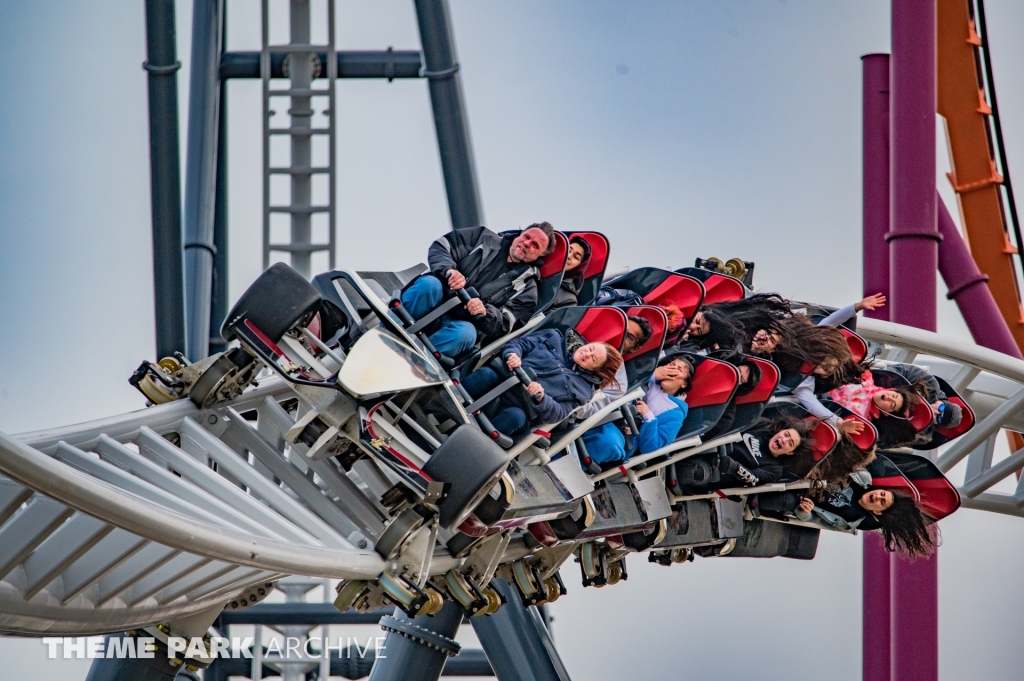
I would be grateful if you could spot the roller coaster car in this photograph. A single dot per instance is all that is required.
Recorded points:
(719, 288)
(937, 495)
(764, 539)
(628, 506)
(921, 416)
(661, 287)
(364, 381)
(547, 488)
(712, 388)
(747, 408)
(700, 522)
(623, 507)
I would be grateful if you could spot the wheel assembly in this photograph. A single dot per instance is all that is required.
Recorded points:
(470, 464)
(226, 378)
(473, 600)
(531, 586)
(399, 531)
(349, 592)
(409, 597)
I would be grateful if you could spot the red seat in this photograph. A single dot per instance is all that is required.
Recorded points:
(720, 288)
(659, 326)
(685, 292)
(886, 474)
(714, 382)
(763, 391)
(858, 346)
(554, 262)
(921, 415)
(603, 325)
(938, 497)
(599, 252)
(866, 438)
(593, 274)
(551, 273)
(897, 483)
(825, 438)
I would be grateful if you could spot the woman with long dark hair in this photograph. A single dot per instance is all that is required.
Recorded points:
(852, 506)
(732, 325)
(767, 451)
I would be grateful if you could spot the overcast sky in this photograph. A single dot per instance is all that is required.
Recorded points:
(721, 128)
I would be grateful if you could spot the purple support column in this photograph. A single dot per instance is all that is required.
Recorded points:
(876, 639)
(968, 287)
(913, 258)
(913, 234)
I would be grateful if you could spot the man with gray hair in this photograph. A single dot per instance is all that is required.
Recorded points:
(502, 268)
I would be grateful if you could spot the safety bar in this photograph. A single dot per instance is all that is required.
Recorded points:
(744, 491)
(707, 447)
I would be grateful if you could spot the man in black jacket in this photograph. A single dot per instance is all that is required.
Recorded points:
(502, 269)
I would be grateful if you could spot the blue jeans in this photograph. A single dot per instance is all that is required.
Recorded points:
(455, 336)
(605, 444)
(506, 418)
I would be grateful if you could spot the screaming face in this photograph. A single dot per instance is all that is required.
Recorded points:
(784, 442)
(877, 500)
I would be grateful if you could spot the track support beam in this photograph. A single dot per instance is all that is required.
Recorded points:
(165, 176)
(442, 69)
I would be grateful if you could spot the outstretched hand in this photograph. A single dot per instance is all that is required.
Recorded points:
(851, 426)
(871, 303)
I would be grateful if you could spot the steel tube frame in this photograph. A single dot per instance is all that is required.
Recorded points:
(156, 668)
(442, 70)
(518, 642)
(913, 256)
(201, 172)
(876, 636)
(219, 284)
(165, 176)
(388, 64)
(408, 659)
(969, 288)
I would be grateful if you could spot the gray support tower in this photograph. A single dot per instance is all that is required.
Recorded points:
(165, 176)
(302, 67)
(201, 172)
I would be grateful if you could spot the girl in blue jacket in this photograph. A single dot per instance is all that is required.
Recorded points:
(663, 410)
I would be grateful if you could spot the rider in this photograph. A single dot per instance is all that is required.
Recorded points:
(503, 270)
(569, 371)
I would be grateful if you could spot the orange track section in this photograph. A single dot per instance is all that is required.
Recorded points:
(974, 178)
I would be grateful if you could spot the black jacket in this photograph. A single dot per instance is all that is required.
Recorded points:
(510, 299)
(749, 463)
(843, 500)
